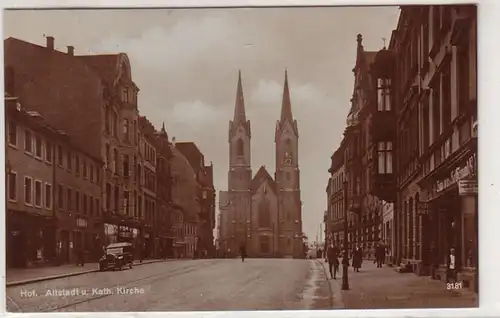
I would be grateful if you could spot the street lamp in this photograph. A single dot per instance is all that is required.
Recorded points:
(345, 261)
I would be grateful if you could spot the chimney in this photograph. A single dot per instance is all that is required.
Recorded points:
(71, 50)
(50, 42)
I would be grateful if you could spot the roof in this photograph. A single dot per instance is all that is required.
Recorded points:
(260, 177)
(38, 71)
(105, 65)
(192, 154)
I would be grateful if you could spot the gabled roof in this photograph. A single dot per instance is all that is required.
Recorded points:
(260, 177)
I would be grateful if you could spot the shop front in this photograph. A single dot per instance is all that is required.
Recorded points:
(31, 239)
(450, 219)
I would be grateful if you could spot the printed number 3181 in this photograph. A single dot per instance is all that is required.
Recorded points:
(456, 285)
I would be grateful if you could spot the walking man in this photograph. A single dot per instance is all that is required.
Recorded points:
(243, 252)
(333, 260)
(452, 267)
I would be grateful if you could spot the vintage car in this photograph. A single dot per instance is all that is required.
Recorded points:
(116, 256)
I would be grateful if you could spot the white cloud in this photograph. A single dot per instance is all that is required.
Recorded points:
(267, 92)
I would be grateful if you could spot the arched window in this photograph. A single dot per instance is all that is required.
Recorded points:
(264, 215)
(239, 147)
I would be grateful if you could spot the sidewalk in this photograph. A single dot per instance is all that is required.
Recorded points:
(383, 288)
(21, 276)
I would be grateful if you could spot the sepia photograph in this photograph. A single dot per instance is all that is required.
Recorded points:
(241, 158)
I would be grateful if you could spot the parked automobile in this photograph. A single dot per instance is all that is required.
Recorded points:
(116, 256)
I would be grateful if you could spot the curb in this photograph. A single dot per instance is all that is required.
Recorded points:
(328, 282)
(41, 279)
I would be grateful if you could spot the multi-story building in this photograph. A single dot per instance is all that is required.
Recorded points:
(146, 174)
(369, 141)
(186, 204)
(436, 49)
(164, 230)
(58, 212)
(334, 225)
(207, 216)
(95, 103)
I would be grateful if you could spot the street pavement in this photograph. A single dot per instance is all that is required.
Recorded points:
(229, 284)
(384, 288)
(217, 284)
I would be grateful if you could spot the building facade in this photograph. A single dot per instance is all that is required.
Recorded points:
(334, 223)
(262, 213)
(57, 212)
(438, 207)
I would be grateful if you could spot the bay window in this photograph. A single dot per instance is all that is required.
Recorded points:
(384, 155)
(383, 94)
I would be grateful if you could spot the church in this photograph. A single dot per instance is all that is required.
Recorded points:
(258, 211)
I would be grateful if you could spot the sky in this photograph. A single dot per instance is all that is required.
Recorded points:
(186, 62)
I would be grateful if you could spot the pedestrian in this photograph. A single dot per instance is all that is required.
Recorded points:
(357, 259)
(433, 259)
(332, 255)
(451, 275)
(243, 252)
(379, 255)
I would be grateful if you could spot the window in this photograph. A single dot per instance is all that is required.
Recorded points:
(77, 165)
(38, 193)
(60, 155)
(69, 195)
(12, 178)
(97, 207)
(239, 147)
(48, 196)
(107, 159)
(463, 78)
(425, 124)
(48, 151)
(384, 151)
(28, 141)
(91, 172)
(134, 131)
(117, 196)
(139, 205)
(108, 196)
(383, 94)
(436, 112)
(126, 202)
(38, 147)
(91, 205)
(264, 213)
(106, 119)
(84, 204)
(126, 165)
(115, 161)
(12, 133)
(446, 96)
(28, 190)
(77, 201)
(126, 132)
(115, 124)
(139, 174)
(84, 163)
(60, 196)
(97, 174)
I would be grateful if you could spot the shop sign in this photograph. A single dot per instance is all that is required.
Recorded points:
(467, 187)
(458, 174)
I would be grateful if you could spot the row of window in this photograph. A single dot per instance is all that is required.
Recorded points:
(36, 193)
(111, 126)
(43, 149)
(75, 201)
(149, 153)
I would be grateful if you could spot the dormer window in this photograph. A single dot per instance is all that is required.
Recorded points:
(383, 94)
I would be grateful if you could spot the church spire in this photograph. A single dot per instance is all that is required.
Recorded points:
(239, 107)
(286, 106)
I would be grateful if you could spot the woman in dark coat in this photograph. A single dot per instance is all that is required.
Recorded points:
(357, 258)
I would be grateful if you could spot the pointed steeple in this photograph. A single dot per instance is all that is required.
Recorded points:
(286, 106)
(239, 107)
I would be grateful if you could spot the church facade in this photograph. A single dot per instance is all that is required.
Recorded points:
(261, 212)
